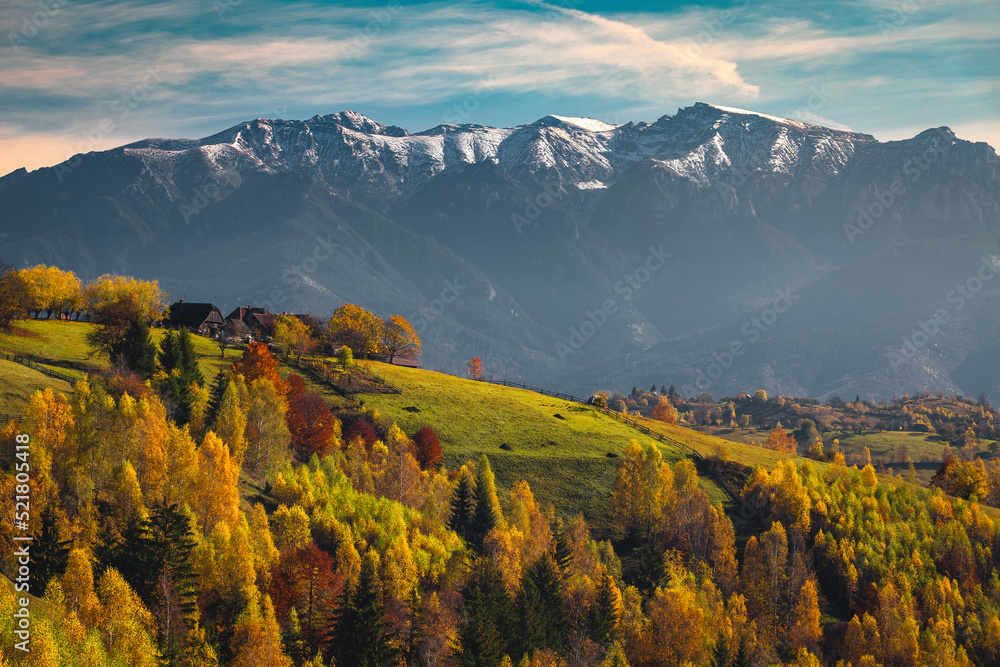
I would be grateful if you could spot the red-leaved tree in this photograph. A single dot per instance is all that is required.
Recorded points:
(361, 428)
(428, 448)
(304, 579)
(313, 427)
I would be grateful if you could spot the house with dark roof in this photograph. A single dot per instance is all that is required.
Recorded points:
(259, 320)
(202, 318)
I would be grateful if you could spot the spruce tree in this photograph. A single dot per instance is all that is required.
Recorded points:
(136, 349)
(540, 615)
(487, 512)
(215, 398)
(488, 632)
(603, 616)
(361, 636)
(49, 554)
(742, 657)
(721, 655)
(462, 505)
(179, 361)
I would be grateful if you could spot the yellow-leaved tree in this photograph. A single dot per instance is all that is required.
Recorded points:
(398, 338)
(216, 497)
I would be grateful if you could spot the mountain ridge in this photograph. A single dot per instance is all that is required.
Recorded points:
(541, 222)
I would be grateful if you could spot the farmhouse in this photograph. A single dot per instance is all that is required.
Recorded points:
(202, 318)
(260, 321)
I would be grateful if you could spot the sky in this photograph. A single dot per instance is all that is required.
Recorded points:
(78, 75)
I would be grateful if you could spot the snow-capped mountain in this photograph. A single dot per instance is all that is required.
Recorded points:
(584, 253)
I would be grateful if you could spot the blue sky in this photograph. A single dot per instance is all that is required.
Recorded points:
(79, 75)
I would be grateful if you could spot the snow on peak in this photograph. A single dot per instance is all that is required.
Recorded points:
(586, 124)
(744, 112)
(352, 120)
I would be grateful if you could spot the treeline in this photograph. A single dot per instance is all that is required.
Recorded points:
(57, 293)
(353, 329)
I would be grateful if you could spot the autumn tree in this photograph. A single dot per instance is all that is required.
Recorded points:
(14, 297)
(398, 338)
(304, 582)
(52, 290)
(256, 363)
(780, 441)
(149, 300)
(216, 498)
(664, 411)
(476, 368)
(314, 429)
(127, 626)
(267, 431)
(293, 336)
(428, 448)
(355, 327)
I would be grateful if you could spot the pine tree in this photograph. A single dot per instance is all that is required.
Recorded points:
(215, 401)
(721, 654)
(49, 554)
(361, 636)
(486, 515)
(603, 615)
(462, 505)
(136, 349)
(540, 615)
(179, 361)
(175, 603)
(487, 634)
(742, 657)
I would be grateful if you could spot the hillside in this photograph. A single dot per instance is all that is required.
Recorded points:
(564, 458)
(61, 346)
(559, 447)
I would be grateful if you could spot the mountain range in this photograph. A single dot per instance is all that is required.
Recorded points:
(716, 249)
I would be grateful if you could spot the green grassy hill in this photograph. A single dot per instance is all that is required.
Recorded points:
(62, 346)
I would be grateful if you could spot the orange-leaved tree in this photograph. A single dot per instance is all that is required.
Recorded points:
(257, 362)
(780, 441)
(476, 368)
(664, 411)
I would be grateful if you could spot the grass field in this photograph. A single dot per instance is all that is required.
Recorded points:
(62, 346)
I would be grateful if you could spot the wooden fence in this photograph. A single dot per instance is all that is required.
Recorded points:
(554, 394)
(30, 363)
